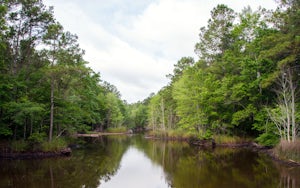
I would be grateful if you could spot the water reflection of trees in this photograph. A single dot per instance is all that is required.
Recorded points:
(85, 168)
(289, 176)
(222, 167)
(183, 166)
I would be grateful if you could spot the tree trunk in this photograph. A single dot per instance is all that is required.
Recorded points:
(31, 125)
(15, 132)
(293, 110)
(286, 105)
(163, 114)
(52, 95)
(51, 109)
(24, 130)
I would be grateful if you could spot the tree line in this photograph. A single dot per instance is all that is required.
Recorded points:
(245, 82)
(47, 89)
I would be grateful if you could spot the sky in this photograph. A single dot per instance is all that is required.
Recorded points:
(134, 44)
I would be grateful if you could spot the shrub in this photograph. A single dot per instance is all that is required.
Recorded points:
(55, 145)
(19, 145)
(117, 130)
(207, 135)
(267, 139)
(35, 138)
(227, 139)
(172, 134)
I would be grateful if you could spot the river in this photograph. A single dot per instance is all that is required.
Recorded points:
(135, 162)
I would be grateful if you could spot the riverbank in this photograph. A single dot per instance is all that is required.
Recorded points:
(285, 153)
(288, 151)
(193, 139)
(21, 149)
(59, 147)
(35, 155)
(100, 134)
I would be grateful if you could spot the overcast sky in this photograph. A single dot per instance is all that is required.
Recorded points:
(135, 43)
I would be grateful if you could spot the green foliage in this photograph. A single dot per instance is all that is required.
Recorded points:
(19, 145)
(207, 135)
(227, 91)
(117, 130)
(230, 139)
(56, 145)
(137, 115)
(114, 116)
(36, 138)
(241, 115)
(175, 134)
(5, 130)
(268, 139)
(48, 89)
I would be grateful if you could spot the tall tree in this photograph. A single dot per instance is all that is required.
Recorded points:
(215, 39)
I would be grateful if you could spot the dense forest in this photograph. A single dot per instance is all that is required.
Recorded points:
(244, 82)
(47, 90)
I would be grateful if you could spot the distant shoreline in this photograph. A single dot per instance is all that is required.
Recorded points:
(100, 134)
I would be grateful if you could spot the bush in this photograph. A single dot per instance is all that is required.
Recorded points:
(19, 145)
(268, 139)
(172, 134)
(36, 138)
(117, 130)
(207, 135)
(227, 139)
(55, 145)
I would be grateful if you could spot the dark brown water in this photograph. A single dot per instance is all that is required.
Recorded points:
(134, 162)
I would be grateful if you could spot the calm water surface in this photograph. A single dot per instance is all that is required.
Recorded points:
(134, 162)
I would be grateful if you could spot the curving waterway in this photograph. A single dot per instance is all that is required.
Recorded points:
(135, 162)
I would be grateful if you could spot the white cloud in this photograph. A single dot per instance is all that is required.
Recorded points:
(129, 69)
(166, 29)
(134, 46)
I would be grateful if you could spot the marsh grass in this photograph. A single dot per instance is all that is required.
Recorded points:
(54, 146)
(19, 145)
(288, 150)
(227, 139)
(117, 130)
(171, 134)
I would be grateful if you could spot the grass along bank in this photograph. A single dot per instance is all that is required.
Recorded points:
(116, 130)
(170, 134)
(21, 149)
(222, 139)
(56, 145)
(289, 151)
(187, 136)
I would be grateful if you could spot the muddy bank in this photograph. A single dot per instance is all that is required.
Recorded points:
(35, 155)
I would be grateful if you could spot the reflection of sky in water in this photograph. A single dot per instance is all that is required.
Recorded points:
(136, 171)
